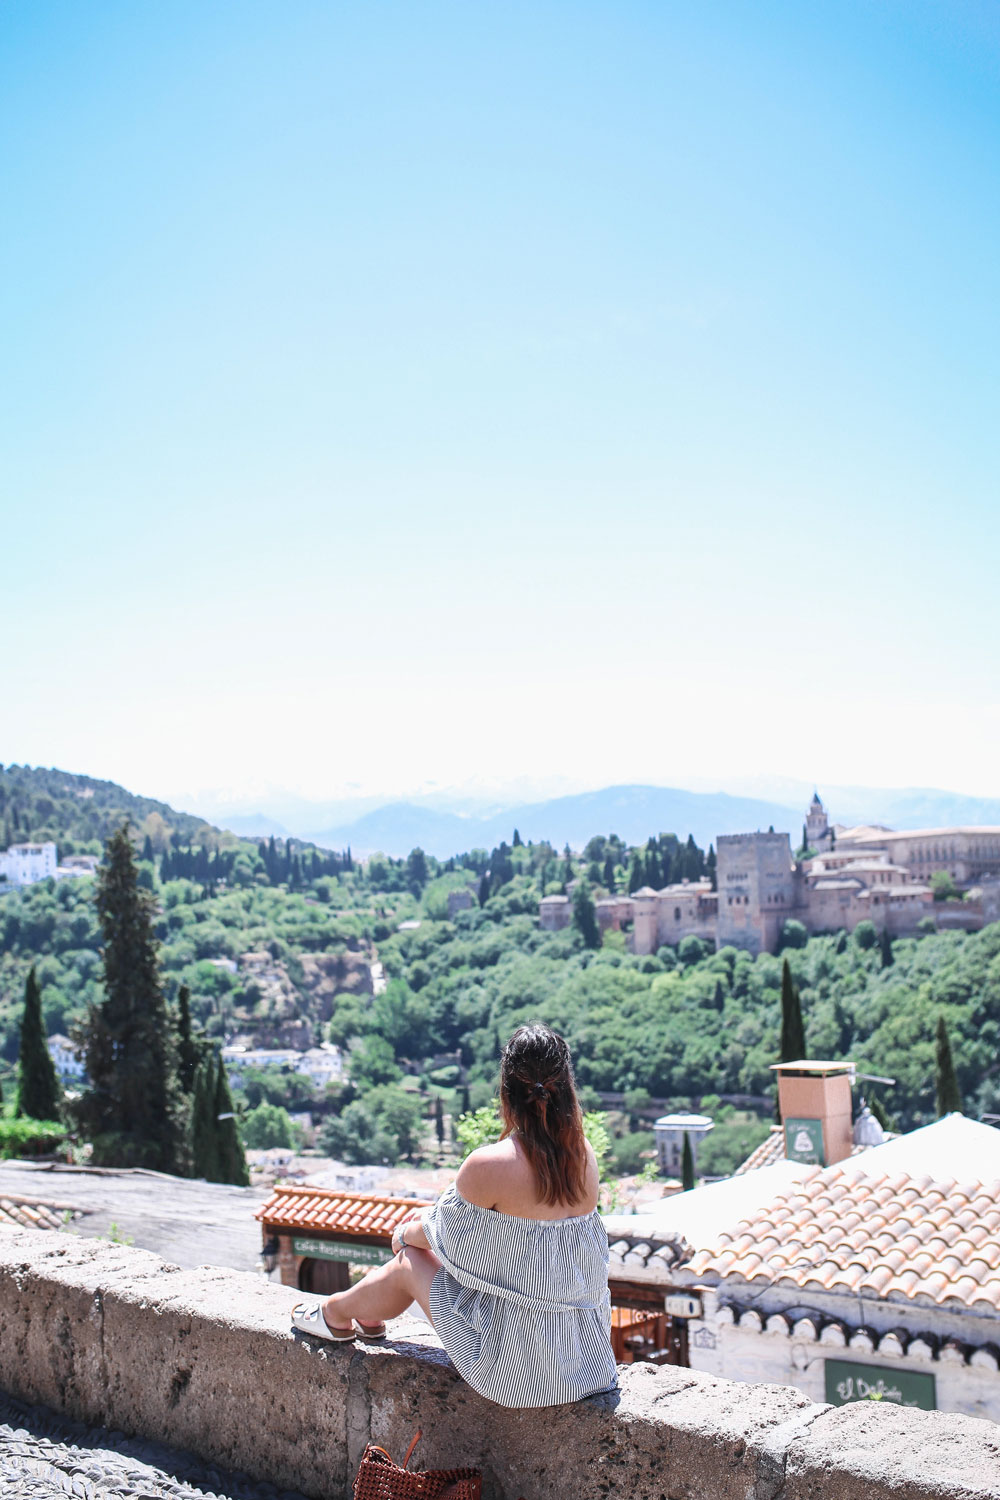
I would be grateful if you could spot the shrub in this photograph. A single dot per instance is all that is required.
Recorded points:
(865, 935)
(793, 935)
(24, 1137)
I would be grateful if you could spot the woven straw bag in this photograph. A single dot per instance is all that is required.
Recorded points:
(380, 1479)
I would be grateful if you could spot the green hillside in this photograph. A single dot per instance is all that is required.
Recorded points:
(78, 812)
(276, 940)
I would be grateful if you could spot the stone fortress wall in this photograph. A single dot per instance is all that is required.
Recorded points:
(205, 1360)
(850, 875)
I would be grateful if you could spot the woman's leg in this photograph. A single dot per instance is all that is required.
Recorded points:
(386, 1291)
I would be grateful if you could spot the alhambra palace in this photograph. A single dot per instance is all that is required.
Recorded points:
(847, 876)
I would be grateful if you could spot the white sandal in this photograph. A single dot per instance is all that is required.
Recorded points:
(307, 1317)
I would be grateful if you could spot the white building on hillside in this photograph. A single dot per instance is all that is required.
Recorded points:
(64, 1054)
(24, 864)
(321, 1064)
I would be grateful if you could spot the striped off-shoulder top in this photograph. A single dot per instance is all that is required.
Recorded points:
(522, 1305)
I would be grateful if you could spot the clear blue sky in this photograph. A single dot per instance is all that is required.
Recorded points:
(420, 391)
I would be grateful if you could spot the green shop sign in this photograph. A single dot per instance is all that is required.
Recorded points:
(359, 1255)
(804, 1141)
(847, 1382)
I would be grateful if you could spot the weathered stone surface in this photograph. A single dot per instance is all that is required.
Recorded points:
(204, 1360)
(876, 1449)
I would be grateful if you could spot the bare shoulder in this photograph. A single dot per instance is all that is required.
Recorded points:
(485, 1174)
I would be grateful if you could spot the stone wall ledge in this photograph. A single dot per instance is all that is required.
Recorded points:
(204, 1360)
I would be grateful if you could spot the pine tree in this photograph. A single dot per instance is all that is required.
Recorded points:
(131, 1108)
(585, 916)
(687, 1165)
(39, 1095)
(949, 1099)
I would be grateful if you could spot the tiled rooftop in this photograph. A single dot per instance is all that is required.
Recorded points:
(632, 1257)
(34, 1215)
(897, 1237)
(772, 1149)
(314, 1209)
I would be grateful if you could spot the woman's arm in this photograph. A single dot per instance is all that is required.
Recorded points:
(410, 1232)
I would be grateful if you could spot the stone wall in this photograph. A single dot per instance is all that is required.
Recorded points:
(204, 1360)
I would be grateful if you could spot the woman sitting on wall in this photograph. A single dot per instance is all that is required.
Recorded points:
(510, 1265)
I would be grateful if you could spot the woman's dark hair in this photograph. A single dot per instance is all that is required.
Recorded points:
(538, 1100)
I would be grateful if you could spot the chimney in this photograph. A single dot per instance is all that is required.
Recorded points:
(814, 1101)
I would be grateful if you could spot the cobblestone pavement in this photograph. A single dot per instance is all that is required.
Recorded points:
(44, 1456)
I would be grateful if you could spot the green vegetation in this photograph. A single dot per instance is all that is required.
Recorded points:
(949, 1097)
(39, 1095)
(272, 942)
(131, 1107)
(26, 1137)
(687, 1165)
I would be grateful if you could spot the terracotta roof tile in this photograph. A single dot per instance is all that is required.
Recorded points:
(25, 1215)
(318, 1209)
(900, 1237)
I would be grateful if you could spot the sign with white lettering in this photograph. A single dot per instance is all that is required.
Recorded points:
(847, 1382)
(804, 1141)
(359, 1255)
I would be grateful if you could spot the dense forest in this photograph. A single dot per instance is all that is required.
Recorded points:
(684, 1025)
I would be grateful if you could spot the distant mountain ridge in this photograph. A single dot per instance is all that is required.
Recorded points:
(633, 812)
(636, 812)
(38, 802)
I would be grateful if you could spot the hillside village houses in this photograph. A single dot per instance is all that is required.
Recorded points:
(26, 864)
(847, 876)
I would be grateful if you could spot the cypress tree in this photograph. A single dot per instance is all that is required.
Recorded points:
(39, 1095)
(878, 1110)
(231, 1158)
(484, 888)
(687, 1165)
(609, 875)
(886, 946)
(204, 1136)
(132, 1106)
(439, 1113)
(710, 867)
(636, 875)
(793, 1036)
(949, 1099)
(188, 1050)
(585, 917)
